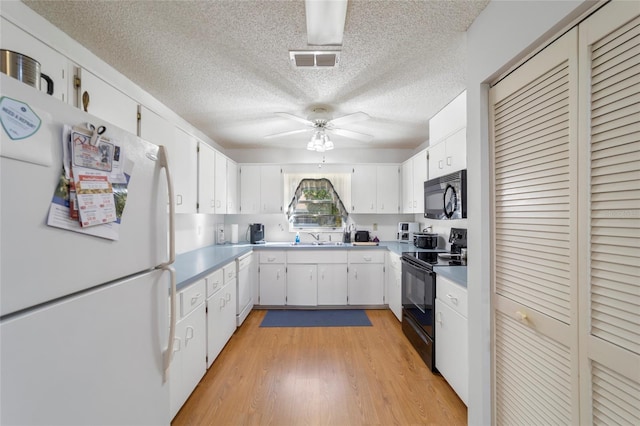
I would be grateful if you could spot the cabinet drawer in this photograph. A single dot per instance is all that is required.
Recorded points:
(368, 256)
(192, 297)
(229, 272)
(316, 256)
(214, 282)
(452, 294)
(244, 261)
(269, 256)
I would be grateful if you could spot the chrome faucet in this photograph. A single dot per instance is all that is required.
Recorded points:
(315, 236)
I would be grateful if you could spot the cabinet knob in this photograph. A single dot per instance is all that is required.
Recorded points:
(85, 101)
(194, 299)
(439, 318)
(521, 316)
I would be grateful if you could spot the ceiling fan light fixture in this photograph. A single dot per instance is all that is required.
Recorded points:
(325, 21)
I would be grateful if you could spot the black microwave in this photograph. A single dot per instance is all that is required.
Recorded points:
(445, 197)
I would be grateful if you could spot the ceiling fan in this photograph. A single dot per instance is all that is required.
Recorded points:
(319, 121)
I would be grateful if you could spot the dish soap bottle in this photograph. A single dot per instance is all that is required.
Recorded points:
(297, 238)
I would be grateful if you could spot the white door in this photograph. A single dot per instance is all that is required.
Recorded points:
(388, 189)
(332, 284)
(452, 348)
(232, 187)
(93, 357)
(420, 175)
(363, 189)
(206, 178)
(366, 284)
(250, 189)
(221, 183)
(302, 285)
(272, 285)
(271, 189)
(407, 186)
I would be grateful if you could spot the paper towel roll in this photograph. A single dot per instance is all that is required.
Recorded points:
(234, 233)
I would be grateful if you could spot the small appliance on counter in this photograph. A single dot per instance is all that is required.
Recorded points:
(406, 231)
(362, 236)
(256, 233)
(425, 240)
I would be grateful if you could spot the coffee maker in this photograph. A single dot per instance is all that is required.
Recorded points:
(256, 233)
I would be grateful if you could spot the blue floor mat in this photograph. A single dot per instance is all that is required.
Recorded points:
(316, 318)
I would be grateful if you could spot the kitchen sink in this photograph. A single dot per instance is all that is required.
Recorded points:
(318, 243)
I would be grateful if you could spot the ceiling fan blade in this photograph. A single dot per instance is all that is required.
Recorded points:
(295, 117)
(349, 118)
(292, 132)
(352, 135)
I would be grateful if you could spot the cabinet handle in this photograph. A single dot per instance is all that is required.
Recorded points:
(85, 101)
(355, 274)
(222, 303)
(371, 206)
(415, 204)
(194, 299)
(448, 161)
(310, 275)
(176, 345)
(367, 258)
(440, 164)
(218, 203)
(189, 334)
(271, 259)
(213, 203)
(178, 200)
(453, 299)
(521, 316)
(439, 318)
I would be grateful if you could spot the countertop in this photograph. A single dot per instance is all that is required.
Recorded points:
(197, 264)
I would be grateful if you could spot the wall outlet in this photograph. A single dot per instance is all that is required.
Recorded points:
(375, 226)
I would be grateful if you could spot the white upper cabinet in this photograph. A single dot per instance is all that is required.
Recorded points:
(363, 189)
(232, 187)
(105, 101)
(183, 160)
(414, 174)
(220, 183)
(448, 138)
(261, 189)
(206, 178)
(52, 64)
(375, 189)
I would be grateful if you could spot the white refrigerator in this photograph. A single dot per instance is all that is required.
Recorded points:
(85, 323)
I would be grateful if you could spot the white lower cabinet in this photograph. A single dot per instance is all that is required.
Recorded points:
(302, 285)
(272, 277)
(188, 362)
(332, 284)
(366, 277)
(221, 313)
(394, 285)
(452, 348)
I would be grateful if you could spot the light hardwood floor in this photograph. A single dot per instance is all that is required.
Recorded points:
(321, 376)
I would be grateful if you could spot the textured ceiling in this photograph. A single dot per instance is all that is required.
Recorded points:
(224, 66)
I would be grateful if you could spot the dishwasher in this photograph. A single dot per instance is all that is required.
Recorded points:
(245, 289)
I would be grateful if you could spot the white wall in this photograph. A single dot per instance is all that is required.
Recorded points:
(505, 32)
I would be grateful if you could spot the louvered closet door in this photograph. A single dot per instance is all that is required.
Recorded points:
(534, 152)
(610, 190)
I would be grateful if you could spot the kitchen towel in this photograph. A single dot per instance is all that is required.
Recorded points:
(316, 318)
(234, 233)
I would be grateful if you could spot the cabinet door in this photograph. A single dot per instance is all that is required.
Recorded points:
(189, 360)
(456, 151)
(387, 189)
(221, 320)
(271, 189)
(452, 348)
(272, 284)
(366, 284)
(420, 175)
(437, 155)
(407, 186)
(250, 189)
(363, 189)
(183, 158)
(232, 187)
(302, 285)
(107, 102)
(332, 284)
(52, 63)
(394, 289)
(221, 184)
(206, 178)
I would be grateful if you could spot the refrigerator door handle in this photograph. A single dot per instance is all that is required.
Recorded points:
(172, 320)
(163, 158)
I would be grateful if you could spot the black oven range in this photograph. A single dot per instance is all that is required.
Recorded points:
(419, 295)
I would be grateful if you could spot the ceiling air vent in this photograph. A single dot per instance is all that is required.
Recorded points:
(314, 59)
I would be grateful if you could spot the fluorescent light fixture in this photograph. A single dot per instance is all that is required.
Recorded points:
(325, 21)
